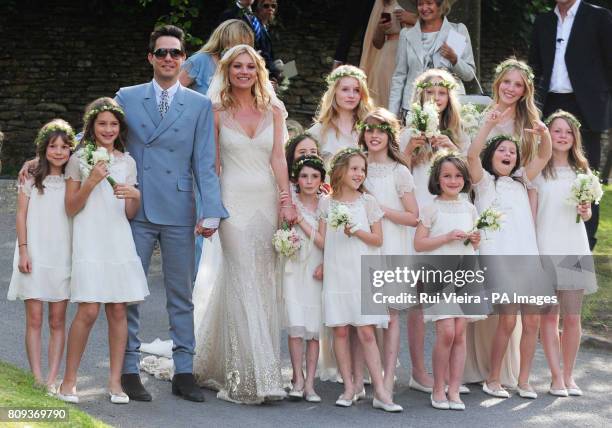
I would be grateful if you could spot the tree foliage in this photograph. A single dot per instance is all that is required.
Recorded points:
(181, 14)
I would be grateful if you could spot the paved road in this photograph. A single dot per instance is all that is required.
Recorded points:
(594, 374)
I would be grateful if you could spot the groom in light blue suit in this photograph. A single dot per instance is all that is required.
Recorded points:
(171, 137)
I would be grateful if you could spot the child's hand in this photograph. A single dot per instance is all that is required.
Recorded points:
(98, 173)
(318, 273)
(456, 235)
(347, 230)
(494, 117)
(474, 238)
(416, 142)
(584, 210)
(24, 172)
(442, 142)
(125, 191)
(325, 188)
(25, 265)
(539, 128)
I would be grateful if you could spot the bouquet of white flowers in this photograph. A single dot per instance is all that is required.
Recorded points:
(471, 117)
(424, 119)
(91, 156)
(339, 216)
(585, 188)
(489, 219)
(286, 241)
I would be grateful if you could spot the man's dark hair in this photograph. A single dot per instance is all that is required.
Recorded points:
(166, 30)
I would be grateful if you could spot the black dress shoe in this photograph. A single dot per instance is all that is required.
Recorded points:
(184, 385)
(133, 387)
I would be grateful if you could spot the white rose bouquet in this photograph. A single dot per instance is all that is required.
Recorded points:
(339, 216)
(424, 119)
(471, 118)
(91, 156)
(586, 188)
(489, 219)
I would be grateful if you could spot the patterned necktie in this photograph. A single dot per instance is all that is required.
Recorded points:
(163, 103)
(257, 27)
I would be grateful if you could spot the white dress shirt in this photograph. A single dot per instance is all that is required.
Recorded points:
(559, 79)
(210, 223)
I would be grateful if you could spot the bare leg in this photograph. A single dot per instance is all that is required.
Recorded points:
(83, 321)
(457, 360)
(416, 343)
(445, 335)
(116, 315)
(312, 356)
(296, 352)
(571, 307)
(33, 340)
(549, 334)
(357, 360)
(529, 339)
(367, 337)
(391, 338)
(505, 327)
(342, 349)
(57, 338)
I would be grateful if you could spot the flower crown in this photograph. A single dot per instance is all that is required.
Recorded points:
(513, 63)
(341, 72)
(106, 107)
(503, 137)
(564, 115)
(443, 83)
(442, 156)
(55, 126)
(385, 127)
(343, 153)
(305, 160)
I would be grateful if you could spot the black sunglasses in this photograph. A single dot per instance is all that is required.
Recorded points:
(162, 52)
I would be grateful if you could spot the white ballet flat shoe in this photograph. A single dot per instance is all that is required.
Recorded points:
(440, 405)
(343, 402)
(413, 384)
(499, 393)
(68, 398)
(295, 394)
(360, 395)
(526, 393)
(575, 392)
(456, 405)
(558, 392)
(462, 389)
(391, 407)
(51, 390)
(121, 398)
(312, 398)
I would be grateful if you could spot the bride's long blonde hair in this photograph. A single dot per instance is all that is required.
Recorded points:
(261, 97)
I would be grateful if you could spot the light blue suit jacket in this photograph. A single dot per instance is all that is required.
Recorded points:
(171, 153)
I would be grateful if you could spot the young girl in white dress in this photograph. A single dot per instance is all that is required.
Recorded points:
(105, 266)
(390, 182)
(512, 89)
(500, 181)
(41, 264)
(342, 280)
(554, 215)
(301, 290)
(438, 86)
(443, 227)
(345, 102)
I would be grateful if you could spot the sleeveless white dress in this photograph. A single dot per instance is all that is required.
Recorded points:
(238, 320)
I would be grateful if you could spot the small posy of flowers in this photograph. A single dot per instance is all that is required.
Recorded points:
(424, 119)
(286, 241)
(339, 216)
(586, 188)
(489, 219)
(471, 119)
(91, 156)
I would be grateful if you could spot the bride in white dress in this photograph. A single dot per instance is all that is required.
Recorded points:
(237, 320)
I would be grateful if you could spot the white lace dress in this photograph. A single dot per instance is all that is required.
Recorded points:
(238, 317)
(563, 250)
(49, 236)
(301, 292)
(332, 141)
(105, 265)
(342, 265)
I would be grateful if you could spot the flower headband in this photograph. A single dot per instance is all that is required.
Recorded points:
(341, 72)
(443, 83)
(106, 107)
(564, 115)
(442, 156)
(503, 137)
(349, 151)
(512, 63)
(385, 127)
(55, 126)
(305, 160)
